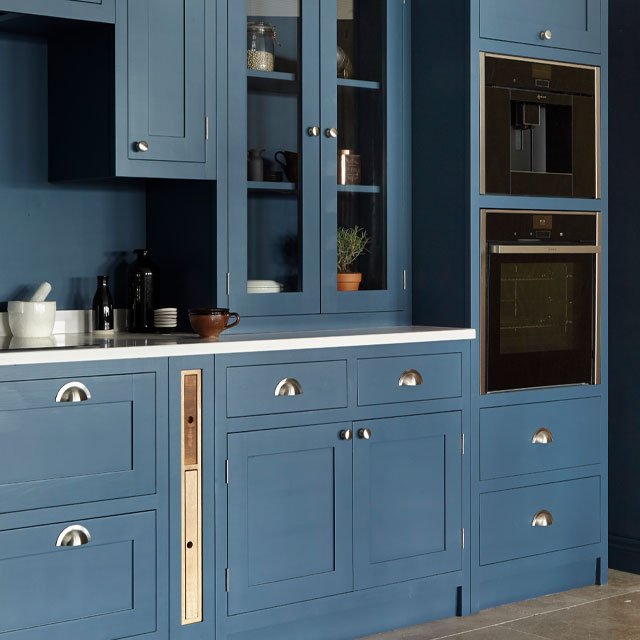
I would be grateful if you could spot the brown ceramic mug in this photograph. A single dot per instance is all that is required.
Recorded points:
(210, 323)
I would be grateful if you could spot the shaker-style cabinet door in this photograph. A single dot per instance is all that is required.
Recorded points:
(407, 498)
(92, 10)
(289, 516)
(570, 24)
(165, 115)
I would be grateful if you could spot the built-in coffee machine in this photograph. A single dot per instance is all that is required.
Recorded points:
(540, 128)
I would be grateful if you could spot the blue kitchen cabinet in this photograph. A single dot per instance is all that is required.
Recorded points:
(289, 529)
(570, 24)
(343, 134)
(93, 10)
(407, 488)
(148, 94)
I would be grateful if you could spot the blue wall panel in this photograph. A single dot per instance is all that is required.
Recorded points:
(64, 233)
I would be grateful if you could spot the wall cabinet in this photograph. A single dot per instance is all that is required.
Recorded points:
(341, 131)
(571, 24)
(153, 81)
(94, 10)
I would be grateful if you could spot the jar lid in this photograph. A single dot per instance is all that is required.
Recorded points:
(260, 27)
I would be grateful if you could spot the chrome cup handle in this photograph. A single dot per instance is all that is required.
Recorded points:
(288, 387)
(542, 436)
(410, 378)
(74, 536)
(73, 392)
(542, 519)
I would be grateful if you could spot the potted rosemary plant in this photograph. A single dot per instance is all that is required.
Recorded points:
(352, 243)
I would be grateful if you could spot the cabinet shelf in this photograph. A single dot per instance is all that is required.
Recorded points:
(287, 187)
(274, 81)
(358, 188)
(358, 84)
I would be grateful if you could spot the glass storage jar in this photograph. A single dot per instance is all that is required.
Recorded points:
(261, 41)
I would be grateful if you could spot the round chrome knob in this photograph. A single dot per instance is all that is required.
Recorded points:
(546, 34)
(142, 146)
(331, 133)
(314, 132)
(364, 434)
(346, 434)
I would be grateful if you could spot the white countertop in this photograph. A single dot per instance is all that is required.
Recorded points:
(83, 347)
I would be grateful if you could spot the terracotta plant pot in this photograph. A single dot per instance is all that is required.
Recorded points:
(349, 281)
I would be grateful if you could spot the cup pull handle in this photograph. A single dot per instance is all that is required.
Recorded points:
(410, 378)
(74, 536)
(73, 392)
(542, 519)
(288, 387)
(542, 436)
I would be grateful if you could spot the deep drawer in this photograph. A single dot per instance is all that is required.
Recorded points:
(539, 437)
(573, 24)
(506, 519)
(261, 389)
(101, 590)
(409, 378)
(57, 453)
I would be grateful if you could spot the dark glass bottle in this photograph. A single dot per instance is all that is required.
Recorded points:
(103, 306)
(142, 291)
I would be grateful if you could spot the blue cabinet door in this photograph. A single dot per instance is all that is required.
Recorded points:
(407, 498)
(366, 109)
(165, 63)
(94, 10)
(289, 516)
(570, 24)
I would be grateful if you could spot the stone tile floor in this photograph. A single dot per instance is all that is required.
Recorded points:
(610, 612)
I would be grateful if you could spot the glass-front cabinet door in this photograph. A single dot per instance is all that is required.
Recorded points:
(274, 157)
(316, 160)
(362, 157)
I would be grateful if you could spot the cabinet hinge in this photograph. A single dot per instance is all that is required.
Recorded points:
(462, 438)
(462, 540)
(226, 580)
(226, 471)
(206, 127)
(404, 279)
(228, 283)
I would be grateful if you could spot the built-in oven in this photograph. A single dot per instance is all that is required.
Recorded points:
(540, 299)
(540, 128)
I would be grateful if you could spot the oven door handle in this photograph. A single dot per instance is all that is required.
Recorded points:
(543, 249)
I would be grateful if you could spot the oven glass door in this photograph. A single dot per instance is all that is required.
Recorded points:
(540, 320)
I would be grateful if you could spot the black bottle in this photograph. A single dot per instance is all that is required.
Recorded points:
(103, 306)
(142, 292)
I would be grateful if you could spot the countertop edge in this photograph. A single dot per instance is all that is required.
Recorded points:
(236, 346)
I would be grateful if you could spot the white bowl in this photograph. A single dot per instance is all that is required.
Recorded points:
(31, 319)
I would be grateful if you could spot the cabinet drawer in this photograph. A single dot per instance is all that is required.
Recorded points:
(574, 24)
(57, 453)
(409, 378)
(506, 519)
(539, 437)
(261, 389)
(103, 589)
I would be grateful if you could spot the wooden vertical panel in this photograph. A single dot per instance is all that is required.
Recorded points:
(191, 420)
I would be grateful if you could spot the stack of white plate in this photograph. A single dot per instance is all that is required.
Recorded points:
(264, 286)
(165, 319)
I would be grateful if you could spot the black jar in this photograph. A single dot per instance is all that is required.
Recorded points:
(143, 288)
(103, 306)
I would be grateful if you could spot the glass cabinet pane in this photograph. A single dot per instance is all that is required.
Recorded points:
(362, 133)
(274, 237)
